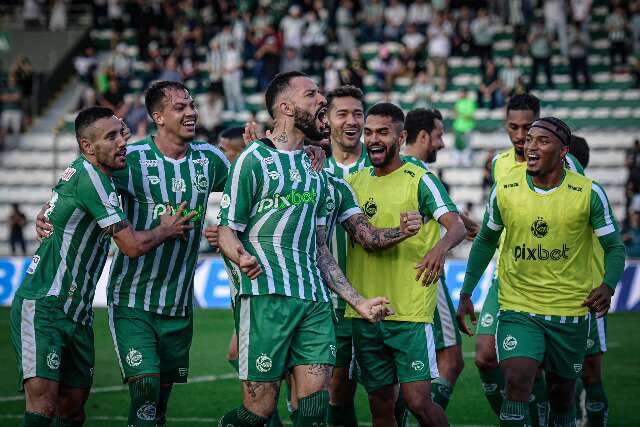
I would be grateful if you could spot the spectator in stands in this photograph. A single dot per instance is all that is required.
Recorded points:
(136, 116)
(171, 72)
(88, 98)
(210, 121)
(114, 98)
(581, 14)
(11, 119)
(355, 71)
(291, 60)
(509, 76)
(579, 42)
(555, 18)
(314, 42)
(331, 76)
(423, 90)
(518, 17)
(439, 48)
(634, 24)
(345, 23)
(215, 64)
(31, 14)
(372, 18)
(420, 14)
(387, 67)
(631, 237)
(464, 123)
(616, 25)
(490, 91)
(395, 16)
(463, 44)
(540, 46)
(487, 178)
(23, 73)
(86, 65)
(483, 31)
(58, 18)
(232, 78)
(121, 63)
(635, 69)
(268, 56)
(260, 22)
(16, 222)
(413, 41)
(292, 27)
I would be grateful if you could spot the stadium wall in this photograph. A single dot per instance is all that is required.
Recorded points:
(211, 285)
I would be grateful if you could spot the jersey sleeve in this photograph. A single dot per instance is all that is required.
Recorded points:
(601, 216)
(219, 168)
(433, 200)
(97, 196)
(348, 200)
(573, 164)
(120, 179)
(239, 190)
(323, 210)
(492, 217)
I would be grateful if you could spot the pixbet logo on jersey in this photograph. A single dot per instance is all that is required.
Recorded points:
(539, 229)
(283, 201)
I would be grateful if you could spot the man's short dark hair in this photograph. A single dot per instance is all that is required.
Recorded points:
(279, 83)
(579, 149)
(89, 116)
(232, 133)
(156, 94)
(418, 120)
(387, 109)
(524, 103)
(346, 91)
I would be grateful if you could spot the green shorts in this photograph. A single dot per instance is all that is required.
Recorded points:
(151, 343)
(445, 326)
(51, 345)
(389, 352)
(344, 340)
(276, 333)
(489, 313)
(558, 343)
(597, 340)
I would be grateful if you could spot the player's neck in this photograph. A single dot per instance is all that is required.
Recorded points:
(345, 157)
(171, 146)
(548, 180)
(287, 138)
(94, 161)
(519, 157)
(389, 168)
(413, 151)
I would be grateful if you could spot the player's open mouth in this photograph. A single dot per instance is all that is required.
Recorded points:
(321, 116)
(352, 133)
(122, 154)
(532, 159)
(189, 124)
(377, 152)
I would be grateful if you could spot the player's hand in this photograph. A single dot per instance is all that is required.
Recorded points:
(317, 156)
(374, 309)
(410, 223)
(211, 234)
(125, 131)
(251, 133)
(465, 307)
(43, 226)
(432, 266)
(248, 264)
(599, 300)
(472, 230)
(177, 224)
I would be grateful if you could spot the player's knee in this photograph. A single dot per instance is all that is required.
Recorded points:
(67, 407)
(486, 360)
(591, 372)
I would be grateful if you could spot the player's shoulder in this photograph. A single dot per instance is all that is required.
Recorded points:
(359, 175)
(577, 182)
(506, 154)
(411, 171)
(211, 152)
(512, 179)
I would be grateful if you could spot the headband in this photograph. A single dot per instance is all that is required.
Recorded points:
(544, 123)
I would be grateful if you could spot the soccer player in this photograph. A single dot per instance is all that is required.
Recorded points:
(273, 229)
(548, 215)
(51, 315)
(401, 348)
(425, 130)
(231, 142)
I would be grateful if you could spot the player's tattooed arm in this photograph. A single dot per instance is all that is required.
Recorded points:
(372, 238)
(114, 229)
(233, 249)
(372, 309)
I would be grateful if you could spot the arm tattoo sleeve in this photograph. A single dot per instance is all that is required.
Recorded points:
(331, 273)
(114, 229)
(370, 237)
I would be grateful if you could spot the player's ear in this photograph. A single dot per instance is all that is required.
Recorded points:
(403, 138)
(157, 118)
(286, 108)
(423, 137)
(87, 147)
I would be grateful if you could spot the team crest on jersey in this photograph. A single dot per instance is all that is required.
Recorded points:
(34, 264)
(153, 179)
(370, 208)
(489, 387)
(539, 228)
(178, 185)
(417, 365)
(201, 183)
(68, 173)
(72, 289)
(264, 363)
(274, 175)
(577, 367)
(149, 163)
(134, 358)
(268, 160)
(53, 360)
(147, 412)
(487, 320)
(183, 372)
(202, 162)
(114, 200)
(225, 201)
(509, 343)
(294, 175)
(330, 205)
(333, 350)
(590, 343)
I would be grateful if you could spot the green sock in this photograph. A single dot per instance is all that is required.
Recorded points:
(235, 365)
(275, 420)
(163, 402)
(65, 422)
(514, 414)
(580, 413)
(597, 405)
(145, 393)
(401, 411)
(31, 419)
(312, 410)
(539, 404)
(493, 385)
(441, 391)
(563, 419)
(342, 416)
(242, 417)
(294, 416)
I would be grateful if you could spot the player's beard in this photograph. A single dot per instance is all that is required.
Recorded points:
(432, 156)
(304, 121)
(388, 156)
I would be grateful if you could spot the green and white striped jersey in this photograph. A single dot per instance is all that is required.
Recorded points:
(69, 262)
(420, 163)
(162, 280)
(274, 200)
(345, 205)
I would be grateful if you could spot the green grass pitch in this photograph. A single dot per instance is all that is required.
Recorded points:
(213, 388)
